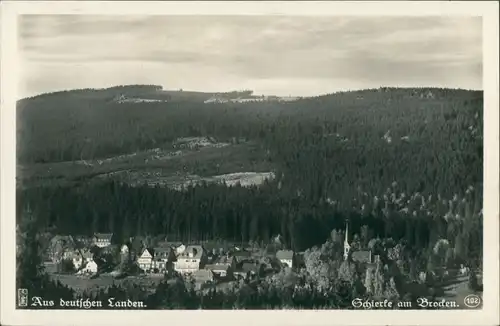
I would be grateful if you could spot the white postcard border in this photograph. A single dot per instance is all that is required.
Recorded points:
(489, 315)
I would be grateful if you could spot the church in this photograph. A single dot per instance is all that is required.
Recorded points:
(362, 256)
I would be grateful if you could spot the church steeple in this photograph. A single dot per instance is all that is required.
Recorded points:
(347, 247)
(346, 238)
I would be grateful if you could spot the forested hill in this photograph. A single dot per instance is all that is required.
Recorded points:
(426, 139)
(334, 156)
(131, 91)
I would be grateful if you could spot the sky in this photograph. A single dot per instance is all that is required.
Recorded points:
(271, 55)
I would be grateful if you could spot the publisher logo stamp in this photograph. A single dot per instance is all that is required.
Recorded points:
(472, 301)
(22, 297)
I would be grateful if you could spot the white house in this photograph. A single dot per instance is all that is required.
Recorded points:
(224, 266)
(190, 259)
(102, 240)
(91, 267)
(163, 258)
(145, 260)
(222, 270)
(285, 257)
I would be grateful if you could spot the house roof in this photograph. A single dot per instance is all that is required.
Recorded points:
(284, 254)
(150, 250)
(203, 275)
(363, 256)
(159, 252)
(105, 236)
(218, 267)
(196, 250)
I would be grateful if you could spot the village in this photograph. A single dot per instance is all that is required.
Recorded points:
(203, 264)
(208, 263)
(100, 260)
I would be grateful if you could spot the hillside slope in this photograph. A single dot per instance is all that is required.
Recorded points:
(427, 139)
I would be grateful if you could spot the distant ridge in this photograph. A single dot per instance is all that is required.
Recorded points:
(141, 90)
(144, 89)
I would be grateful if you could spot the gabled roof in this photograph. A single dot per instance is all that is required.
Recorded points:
(218, 267)
(151, 251)
(105, 236)
(160, 252)
(284, 254)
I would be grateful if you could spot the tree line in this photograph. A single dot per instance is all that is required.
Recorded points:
(256, 214)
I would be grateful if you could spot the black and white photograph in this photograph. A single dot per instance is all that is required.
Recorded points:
(250, 161)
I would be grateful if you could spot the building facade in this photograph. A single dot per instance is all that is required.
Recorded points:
(190, 260)
(163, 259)
(102, 240)
(285, 257)
(145, 260)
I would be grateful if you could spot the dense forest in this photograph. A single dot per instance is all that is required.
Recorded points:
(428, 140)
(332, 155)
(255, 214)
(328, 148)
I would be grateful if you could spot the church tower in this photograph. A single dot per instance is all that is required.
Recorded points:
(347, 247)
